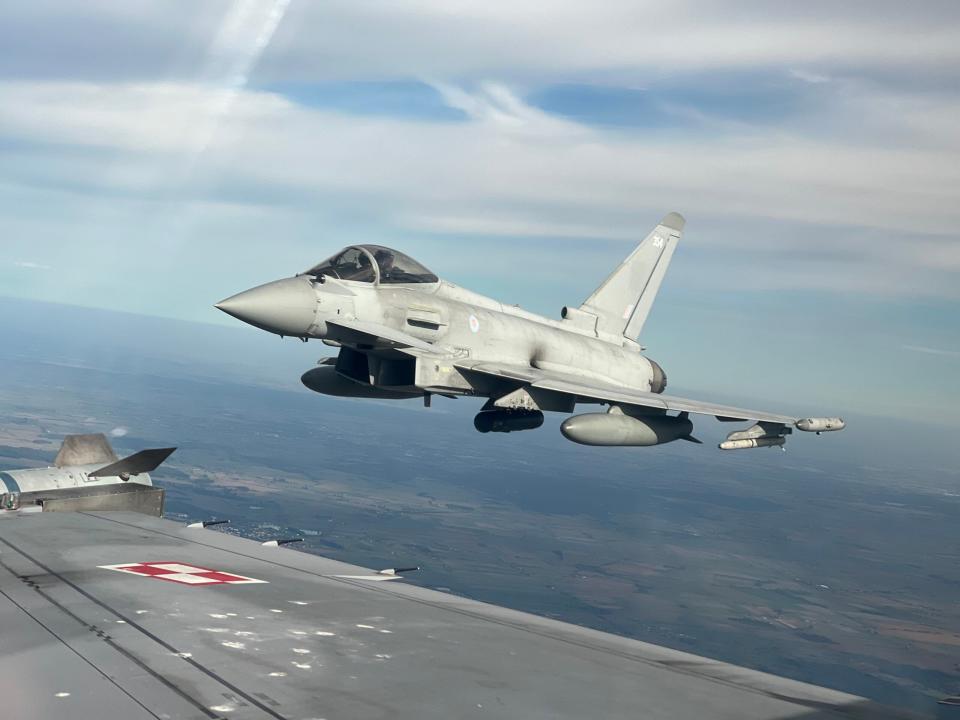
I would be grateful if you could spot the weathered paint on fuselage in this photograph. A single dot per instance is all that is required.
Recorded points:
(472, 325)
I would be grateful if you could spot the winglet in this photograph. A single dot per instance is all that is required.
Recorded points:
(139, 462)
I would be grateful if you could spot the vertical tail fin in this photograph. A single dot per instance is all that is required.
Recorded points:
(623, 301)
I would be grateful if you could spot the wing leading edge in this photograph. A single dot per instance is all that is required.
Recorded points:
(599, 391)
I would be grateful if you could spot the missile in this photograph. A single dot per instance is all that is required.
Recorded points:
(743, 443)
(819, 425)
(619, 429)
(281, 542)
(208, 523)
(392, 572)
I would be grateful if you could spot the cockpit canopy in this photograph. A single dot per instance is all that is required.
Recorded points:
(373, 263)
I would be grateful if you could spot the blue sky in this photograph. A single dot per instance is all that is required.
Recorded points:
(159, 156)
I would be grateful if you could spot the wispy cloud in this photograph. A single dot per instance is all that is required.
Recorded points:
(30, 265)
(932, 351)
(497, 105)
(810, 77)
(512, 169)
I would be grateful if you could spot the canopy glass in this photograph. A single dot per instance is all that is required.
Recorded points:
(374, 263)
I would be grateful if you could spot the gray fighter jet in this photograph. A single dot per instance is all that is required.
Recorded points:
(404, 333)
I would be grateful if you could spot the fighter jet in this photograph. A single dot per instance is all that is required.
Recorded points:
(87, 474)
(402, 332)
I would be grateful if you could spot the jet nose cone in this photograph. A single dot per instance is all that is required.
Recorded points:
(284, 307)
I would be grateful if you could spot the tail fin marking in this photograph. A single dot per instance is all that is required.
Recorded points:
(623, 302)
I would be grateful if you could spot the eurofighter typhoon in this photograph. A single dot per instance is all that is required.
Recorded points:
(405, 333)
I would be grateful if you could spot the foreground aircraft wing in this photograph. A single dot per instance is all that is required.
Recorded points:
(598, 391)
(119, 615)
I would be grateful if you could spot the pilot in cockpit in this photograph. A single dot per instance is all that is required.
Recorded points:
(385, 261)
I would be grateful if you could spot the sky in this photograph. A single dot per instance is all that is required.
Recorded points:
(158, 156)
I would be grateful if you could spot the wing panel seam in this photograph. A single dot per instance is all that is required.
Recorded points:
(662, 665)
(202, 668)
(72, 649)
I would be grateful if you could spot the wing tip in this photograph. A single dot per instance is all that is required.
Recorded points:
(674, 221)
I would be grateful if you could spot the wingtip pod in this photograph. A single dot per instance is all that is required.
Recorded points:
(819, 425)
(674, 221)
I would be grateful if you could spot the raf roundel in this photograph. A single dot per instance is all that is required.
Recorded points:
(474, 324)
(182, 573)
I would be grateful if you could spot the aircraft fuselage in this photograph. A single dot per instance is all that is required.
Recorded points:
(458, 323)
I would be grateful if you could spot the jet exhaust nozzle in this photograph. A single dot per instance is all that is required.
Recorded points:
(619, 429)
(507, 420)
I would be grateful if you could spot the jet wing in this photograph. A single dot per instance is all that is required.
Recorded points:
(358, 332)
(120, 615)
(604, 393)
(598, 391)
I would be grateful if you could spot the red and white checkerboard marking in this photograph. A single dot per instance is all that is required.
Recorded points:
(181, 573)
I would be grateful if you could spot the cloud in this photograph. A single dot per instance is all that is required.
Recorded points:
(809, 77)
(516, 40)
(496, 105)
(932, 351)
(118, 432)
(509, 168)
(30, 265)
(184, 146)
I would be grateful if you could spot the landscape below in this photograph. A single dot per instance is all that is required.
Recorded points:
(827, 563)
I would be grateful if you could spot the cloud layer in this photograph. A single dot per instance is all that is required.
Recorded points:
(161, 155)
(815, 144)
